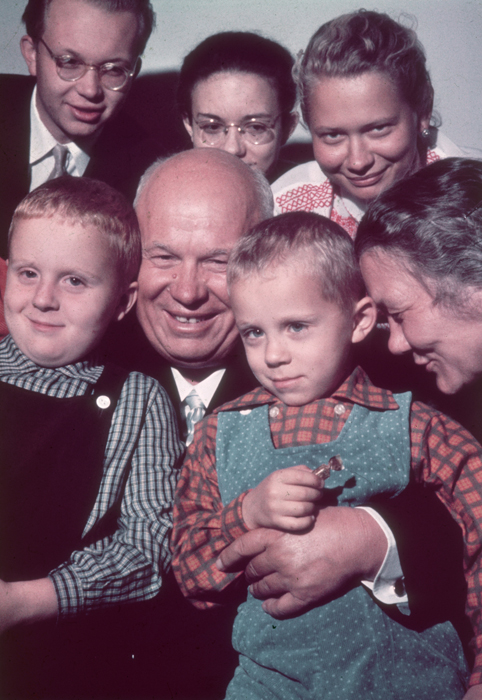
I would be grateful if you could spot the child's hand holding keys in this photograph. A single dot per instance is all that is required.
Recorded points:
(288, 498)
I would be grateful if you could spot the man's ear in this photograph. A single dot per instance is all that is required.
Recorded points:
(364, 318)
(28, 48)
(188, 126)
(126, 302)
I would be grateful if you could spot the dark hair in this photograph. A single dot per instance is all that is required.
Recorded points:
(243, 52)
(34, 16)
(432, 220)
(367, 41)
(327, 247)
(88, 202)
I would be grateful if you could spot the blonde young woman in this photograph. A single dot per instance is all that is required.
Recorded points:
(367, 99)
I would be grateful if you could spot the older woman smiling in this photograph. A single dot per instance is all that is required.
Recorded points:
(420, 250)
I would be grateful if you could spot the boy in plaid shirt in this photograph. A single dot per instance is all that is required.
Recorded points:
(299, 303)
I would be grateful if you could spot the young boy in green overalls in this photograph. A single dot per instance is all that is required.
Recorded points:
(87, 453)
(298, 298)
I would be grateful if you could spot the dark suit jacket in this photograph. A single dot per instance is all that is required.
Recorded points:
(119, 157)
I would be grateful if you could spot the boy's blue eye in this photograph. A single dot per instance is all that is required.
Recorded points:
(253, 333)
(75, 281)
(297, 327)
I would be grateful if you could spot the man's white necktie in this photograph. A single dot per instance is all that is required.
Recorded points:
(60, 154)
(194, 411)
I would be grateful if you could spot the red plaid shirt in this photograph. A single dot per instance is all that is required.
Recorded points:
(442, 453)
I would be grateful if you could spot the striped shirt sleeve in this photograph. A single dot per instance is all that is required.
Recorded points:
(141, 463)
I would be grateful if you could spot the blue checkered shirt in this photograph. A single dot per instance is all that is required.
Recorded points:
(143, 450)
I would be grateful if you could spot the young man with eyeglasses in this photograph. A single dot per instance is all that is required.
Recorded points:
(83, 56)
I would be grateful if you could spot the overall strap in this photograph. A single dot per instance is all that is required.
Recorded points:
(51, 464)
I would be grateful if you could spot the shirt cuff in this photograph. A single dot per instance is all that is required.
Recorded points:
(232, 522)
(70, 595)
(388, 585)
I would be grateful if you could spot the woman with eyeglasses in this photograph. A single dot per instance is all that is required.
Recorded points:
(236, 93)
(366, 97)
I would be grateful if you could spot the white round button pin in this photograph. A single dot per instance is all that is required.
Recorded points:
(103, 401)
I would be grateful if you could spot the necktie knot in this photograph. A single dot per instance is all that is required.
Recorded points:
(194, 411)
(60, 154)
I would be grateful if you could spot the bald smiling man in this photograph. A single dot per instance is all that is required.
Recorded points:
(192, 209)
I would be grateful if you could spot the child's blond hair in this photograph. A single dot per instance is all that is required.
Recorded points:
(326, 248)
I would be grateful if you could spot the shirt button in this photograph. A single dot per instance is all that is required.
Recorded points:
(245, 411)
(274, 411)
(103, 401)
(339, 409)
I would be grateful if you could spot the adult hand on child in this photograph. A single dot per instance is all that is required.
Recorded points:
(295, 571)
(285, 500)
(474, 693)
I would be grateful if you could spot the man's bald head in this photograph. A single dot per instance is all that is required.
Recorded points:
(216, 169)
(192, 209)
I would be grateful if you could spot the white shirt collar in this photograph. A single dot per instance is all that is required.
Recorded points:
(42, 143)
(205, 389)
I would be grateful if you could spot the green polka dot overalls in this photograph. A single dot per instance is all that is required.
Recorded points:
(347, 648)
